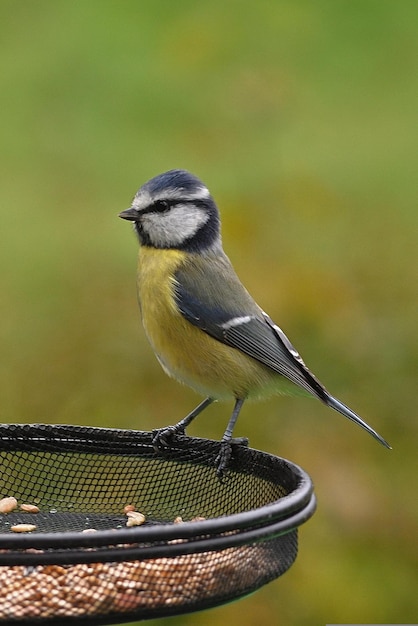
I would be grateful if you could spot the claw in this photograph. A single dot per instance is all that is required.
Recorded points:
(163, 437)
(223, 459)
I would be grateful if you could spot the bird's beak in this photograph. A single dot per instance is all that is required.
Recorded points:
(129, 214)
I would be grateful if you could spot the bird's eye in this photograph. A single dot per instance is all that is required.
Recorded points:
(160, 206)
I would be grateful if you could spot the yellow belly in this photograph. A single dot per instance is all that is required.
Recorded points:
(187, 353)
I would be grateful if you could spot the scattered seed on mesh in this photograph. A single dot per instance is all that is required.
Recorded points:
(23, 528)
(98, 588)
(8, 504)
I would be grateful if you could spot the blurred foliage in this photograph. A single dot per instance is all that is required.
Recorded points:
(301, 118)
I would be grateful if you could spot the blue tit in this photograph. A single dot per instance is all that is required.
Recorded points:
(205, 328)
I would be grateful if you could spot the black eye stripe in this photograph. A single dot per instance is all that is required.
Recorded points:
(160, 206)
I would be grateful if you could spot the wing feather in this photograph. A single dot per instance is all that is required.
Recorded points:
(211, 297)
(236, 320)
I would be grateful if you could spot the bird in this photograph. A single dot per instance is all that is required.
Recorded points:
(205, 328)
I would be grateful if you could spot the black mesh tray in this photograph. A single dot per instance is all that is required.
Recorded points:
(203, 543)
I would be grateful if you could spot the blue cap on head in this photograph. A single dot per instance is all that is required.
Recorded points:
(175, 179)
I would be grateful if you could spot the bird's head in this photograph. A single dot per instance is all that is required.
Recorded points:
(175, 210)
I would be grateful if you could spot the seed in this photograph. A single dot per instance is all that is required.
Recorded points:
(29, 508)
(23, 528)
(135, 518)
(8, 504)
(128, 508)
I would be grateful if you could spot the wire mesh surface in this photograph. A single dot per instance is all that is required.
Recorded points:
(66, 553)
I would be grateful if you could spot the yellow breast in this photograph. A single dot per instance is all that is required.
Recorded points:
(187, 353)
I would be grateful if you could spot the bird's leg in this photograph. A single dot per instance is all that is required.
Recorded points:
(225, 452)
(162, 437)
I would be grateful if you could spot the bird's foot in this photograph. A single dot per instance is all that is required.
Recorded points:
(223, 459)
(162, 438)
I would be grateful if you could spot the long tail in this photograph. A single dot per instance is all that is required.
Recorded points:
(347, 412)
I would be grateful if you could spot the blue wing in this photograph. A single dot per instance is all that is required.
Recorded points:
(213, 299)
(210, 296)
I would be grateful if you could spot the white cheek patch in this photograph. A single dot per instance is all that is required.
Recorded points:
(176, 226)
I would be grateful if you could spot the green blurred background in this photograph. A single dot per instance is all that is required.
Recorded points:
(301, 118)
